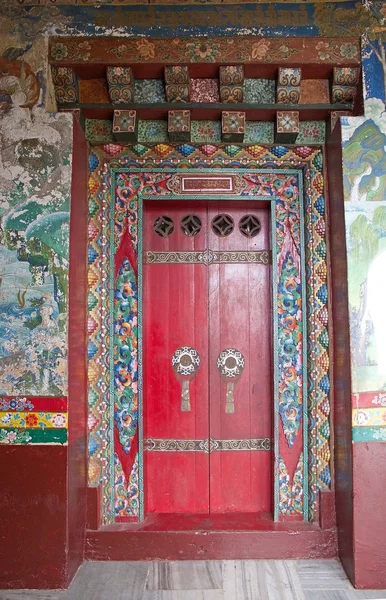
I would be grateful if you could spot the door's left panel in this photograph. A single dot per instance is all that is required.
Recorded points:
(175, 316)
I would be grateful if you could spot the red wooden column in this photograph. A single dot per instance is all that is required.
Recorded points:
(43, 487)
(360, 467)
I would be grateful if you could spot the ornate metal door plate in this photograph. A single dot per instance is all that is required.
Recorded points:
(209, 257)
(230, 363)
(208, 446)
(185, 362)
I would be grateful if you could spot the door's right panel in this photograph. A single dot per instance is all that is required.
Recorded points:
(240, 319)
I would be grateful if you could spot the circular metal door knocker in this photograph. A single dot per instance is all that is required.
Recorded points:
(185, 362)
(230, 363)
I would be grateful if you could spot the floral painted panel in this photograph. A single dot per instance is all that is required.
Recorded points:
(290, 339)
(290, 310)
(125, 357)
(33, 420)
(237, 50)
(291, 495)
(99, 131)
(149, 90)
(311, 132)
(206, 131)
(259, 132)
(259, 91)
(126, 387)
(152, 131)
(126, 490)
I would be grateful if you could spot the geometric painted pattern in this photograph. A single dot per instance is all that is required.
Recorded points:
(187, 156)
(318, 319)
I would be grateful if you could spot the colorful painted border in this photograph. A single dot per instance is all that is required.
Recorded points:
(368, 399)
(369, 417)
(369, 434)
(229, 50)
(187, 156)
(33, 420)
(284, 188)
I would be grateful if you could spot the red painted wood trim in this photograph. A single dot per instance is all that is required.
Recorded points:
(341, 382)
(40, 404)
(365, 399)
(94, 507)
(77, 355)
(369, 515)
(33, 502)
(327, 516)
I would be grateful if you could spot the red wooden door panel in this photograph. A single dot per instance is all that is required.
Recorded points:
(210, 308)
(175, 314)
(239, 318)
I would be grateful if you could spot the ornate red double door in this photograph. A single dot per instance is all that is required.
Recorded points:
(207, 372)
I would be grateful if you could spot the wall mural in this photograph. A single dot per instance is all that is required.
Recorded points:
(364, 142)
(35, 174)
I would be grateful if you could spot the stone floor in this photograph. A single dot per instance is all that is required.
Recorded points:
(211, 580)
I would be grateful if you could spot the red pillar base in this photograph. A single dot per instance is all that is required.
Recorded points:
(369, 515)
(33, 505)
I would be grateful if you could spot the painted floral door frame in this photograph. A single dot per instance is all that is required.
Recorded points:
(121, 497)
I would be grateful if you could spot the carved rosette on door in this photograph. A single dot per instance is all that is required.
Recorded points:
(185, 362)
(230, 363)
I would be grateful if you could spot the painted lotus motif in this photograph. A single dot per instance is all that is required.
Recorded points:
(125, 356)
